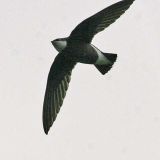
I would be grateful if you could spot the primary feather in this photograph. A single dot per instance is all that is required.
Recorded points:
(86, 30)
(57, 85)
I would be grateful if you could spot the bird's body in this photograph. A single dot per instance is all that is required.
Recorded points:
(77, 48)
(82, 52)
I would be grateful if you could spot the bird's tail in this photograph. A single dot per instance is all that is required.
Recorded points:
(105, 68)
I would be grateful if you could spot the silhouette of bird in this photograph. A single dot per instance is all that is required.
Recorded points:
(78, 48)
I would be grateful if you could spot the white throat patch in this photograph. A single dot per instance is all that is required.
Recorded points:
(60, 45)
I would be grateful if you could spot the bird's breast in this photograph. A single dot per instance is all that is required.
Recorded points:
(84, 53)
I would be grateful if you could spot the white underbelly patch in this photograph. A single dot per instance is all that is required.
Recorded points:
(102, 60)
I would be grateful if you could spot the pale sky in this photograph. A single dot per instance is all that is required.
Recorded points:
(110, 117)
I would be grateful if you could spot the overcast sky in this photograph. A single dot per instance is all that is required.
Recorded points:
(114, 117)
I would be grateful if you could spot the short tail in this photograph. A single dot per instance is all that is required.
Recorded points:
(105, 68)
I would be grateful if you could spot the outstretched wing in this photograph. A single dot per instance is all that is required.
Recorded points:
(86, 30)
(57, 85)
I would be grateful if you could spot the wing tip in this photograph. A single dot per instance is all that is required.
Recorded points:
(46, 126)
(46, 129)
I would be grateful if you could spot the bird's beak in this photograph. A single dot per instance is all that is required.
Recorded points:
(53, 42)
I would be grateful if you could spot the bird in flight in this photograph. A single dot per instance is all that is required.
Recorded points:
(77, 48)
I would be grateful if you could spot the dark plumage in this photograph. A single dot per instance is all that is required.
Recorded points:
(78, 48)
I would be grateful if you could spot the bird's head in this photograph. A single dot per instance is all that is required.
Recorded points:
(59, 43)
